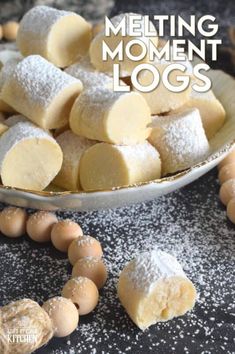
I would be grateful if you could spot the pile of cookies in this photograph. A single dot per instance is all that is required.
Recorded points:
(71, 129)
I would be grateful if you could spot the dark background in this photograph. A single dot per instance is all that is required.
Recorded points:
(190, 223)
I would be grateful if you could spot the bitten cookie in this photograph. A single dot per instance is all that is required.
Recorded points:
(104, 166)
(180, 140)
(41, 92)
(113, 117)
(29, 157)
(72, 146)
(58, 36)
(154, 288)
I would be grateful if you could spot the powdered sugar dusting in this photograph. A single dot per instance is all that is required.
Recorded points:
(180, 140)
(40, 80)
(33, 20)
(84, 71)
(141, 151)
(149, 267)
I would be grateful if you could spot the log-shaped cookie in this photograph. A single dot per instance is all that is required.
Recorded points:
(41, 92)
(29, 157)
(113, 117)
(127, 65)
(72, 146)
(104, 166)
(59, 36)
(154, 288)
(161, 99)
(180, 139)
(84, 71)
(5, 73)
(211, 111)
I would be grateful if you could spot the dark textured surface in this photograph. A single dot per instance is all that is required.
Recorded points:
(190, 223)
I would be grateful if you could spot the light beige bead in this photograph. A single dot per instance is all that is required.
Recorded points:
(92, 268)
(227, 191)
(63, 233)
(227, 172)
(64, 315)
(231, 210)
(83, 293)
(1, 32)
(13, 222)
(10, 30)
(39, 226)
(229, 159)
(84, 246)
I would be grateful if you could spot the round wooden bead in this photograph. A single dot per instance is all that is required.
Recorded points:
(84, 246)
(92, 268)
(13, 222)
(10, 30)
(83, 293)
(227, 191)
(64, 315)
(63, 233)
(231, 210)
(39, 226)
(1, 32)
(229, 159)
(227, 172)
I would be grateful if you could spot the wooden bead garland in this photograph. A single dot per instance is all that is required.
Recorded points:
(227, 180)
(79, 295)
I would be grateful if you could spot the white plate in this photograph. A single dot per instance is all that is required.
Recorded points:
(221, 144)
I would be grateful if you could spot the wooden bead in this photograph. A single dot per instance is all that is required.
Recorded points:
(227, 191)
(10, 30)
(63, 233)
(64, 315)
(227, 172)
(13, 222)
(231, 210)
(1, 32)
(39, 226)
(92, 268)
(83, 293)
(229, 159)
(84, 246)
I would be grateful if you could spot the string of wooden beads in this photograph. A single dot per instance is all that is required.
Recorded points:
(58, 316)
(227, 180)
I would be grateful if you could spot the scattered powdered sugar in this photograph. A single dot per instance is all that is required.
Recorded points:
(149, 267)
(180, 140)
(40, 80)
(40, 19)
(17, 133)
(190, 224)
